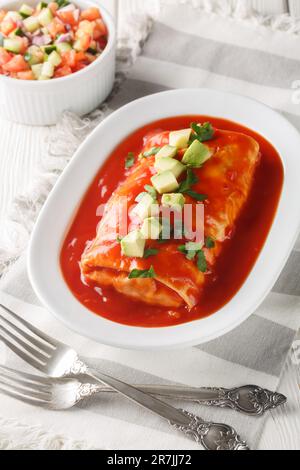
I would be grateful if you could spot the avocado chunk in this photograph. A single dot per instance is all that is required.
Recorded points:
(167, 151)
(165, 182)
(151, 228)
(169, 164)
(146, 207)
(180, 139)
(197, 154)
(174, 201)
(133, 244)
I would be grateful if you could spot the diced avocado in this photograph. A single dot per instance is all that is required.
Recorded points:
(165, 182)
(37, 70)
(165, 164)
(197, 154)
(151, 228)
(54, 58)
(146, 207)
(175, 200)
(48, 69)
(26, 11)
(45, 17)
(31, 24)
(12, 45)
(180, 139)
(167, 152)
(133, 244)
(63, 47)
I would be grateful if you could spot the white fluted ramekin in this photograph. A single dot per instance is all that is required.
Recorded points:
(39, 103)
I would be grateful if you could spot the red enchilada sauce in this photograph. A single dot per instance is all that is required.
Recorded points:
(235, 262)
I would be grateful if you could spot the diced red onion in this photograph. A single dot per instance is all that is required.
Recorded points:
(64, 38)
(19, 24)
(41, 40)
(76, 14)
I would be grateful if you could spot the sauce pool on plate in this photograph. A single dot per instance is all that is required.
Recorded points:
(239, 251)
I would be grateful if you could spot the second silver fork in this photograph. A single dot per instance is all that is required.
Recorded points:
(56, 359)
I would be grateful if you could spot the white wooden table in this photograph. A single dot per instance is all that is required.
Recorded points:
(21, 148)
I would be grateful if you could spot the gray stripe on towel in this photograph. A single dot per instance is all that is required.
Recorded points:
(254, 66)
(289, 280)
(258, 344)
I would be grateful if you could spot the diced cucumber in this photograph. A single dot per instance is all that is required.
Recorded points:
(31, 24)
(33, 55)
(41, 6)
(77, 45)
(197, 154)
(167, 151)
(26, 11)
(48, 49)
(12, 45)
(43, 77)
(146, 207)
(169, 164)
(151, 228)
(174, 201)
(45, 17)
(54, 58)
(63, 47)
(37, 70)
(165, 182)
(133, 244)
(48, 69)
(1, 40)
(180, 139)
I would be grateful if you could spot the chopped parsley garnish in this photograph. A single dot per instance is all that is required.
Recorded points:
(197, 196)
(129, 162)
(202, 132)
(145, 274)
(151, 152)
(209, 242)
(150, 190)
(185, 186)
(201, 261)
(190, 249)
(150, 252)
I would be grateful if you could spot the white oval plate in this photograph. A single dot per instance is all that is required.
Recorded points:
(61, 206)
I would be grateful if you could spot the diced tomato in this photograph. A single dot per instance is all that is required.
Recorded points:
(56, 27)
(7, 26)
(102, 42)
(80, 66)
(2, 15)
(63, 71)
(100, 29)
(53, 7)
(4, 56)
(24, 42)
(16, 64)
(28, 75)
(69, 58)
(90, 14)
(80, 57)
(67, 17)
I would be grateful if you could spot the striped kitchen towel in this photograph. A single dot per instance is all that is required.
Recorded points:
(187, 48)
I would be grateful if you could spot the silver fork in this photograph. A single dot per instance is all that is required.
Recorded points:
(58, 360)
(64, 393)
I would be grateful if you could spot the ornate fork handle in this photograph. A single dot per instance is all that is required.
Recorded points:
(249, 399)
(212, 436)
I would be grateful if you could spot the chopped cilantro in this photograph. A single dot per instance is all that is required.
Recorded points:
(137, 273)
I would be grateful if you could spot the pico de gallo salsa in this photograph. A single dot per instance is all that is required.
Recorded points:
(52, 40)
